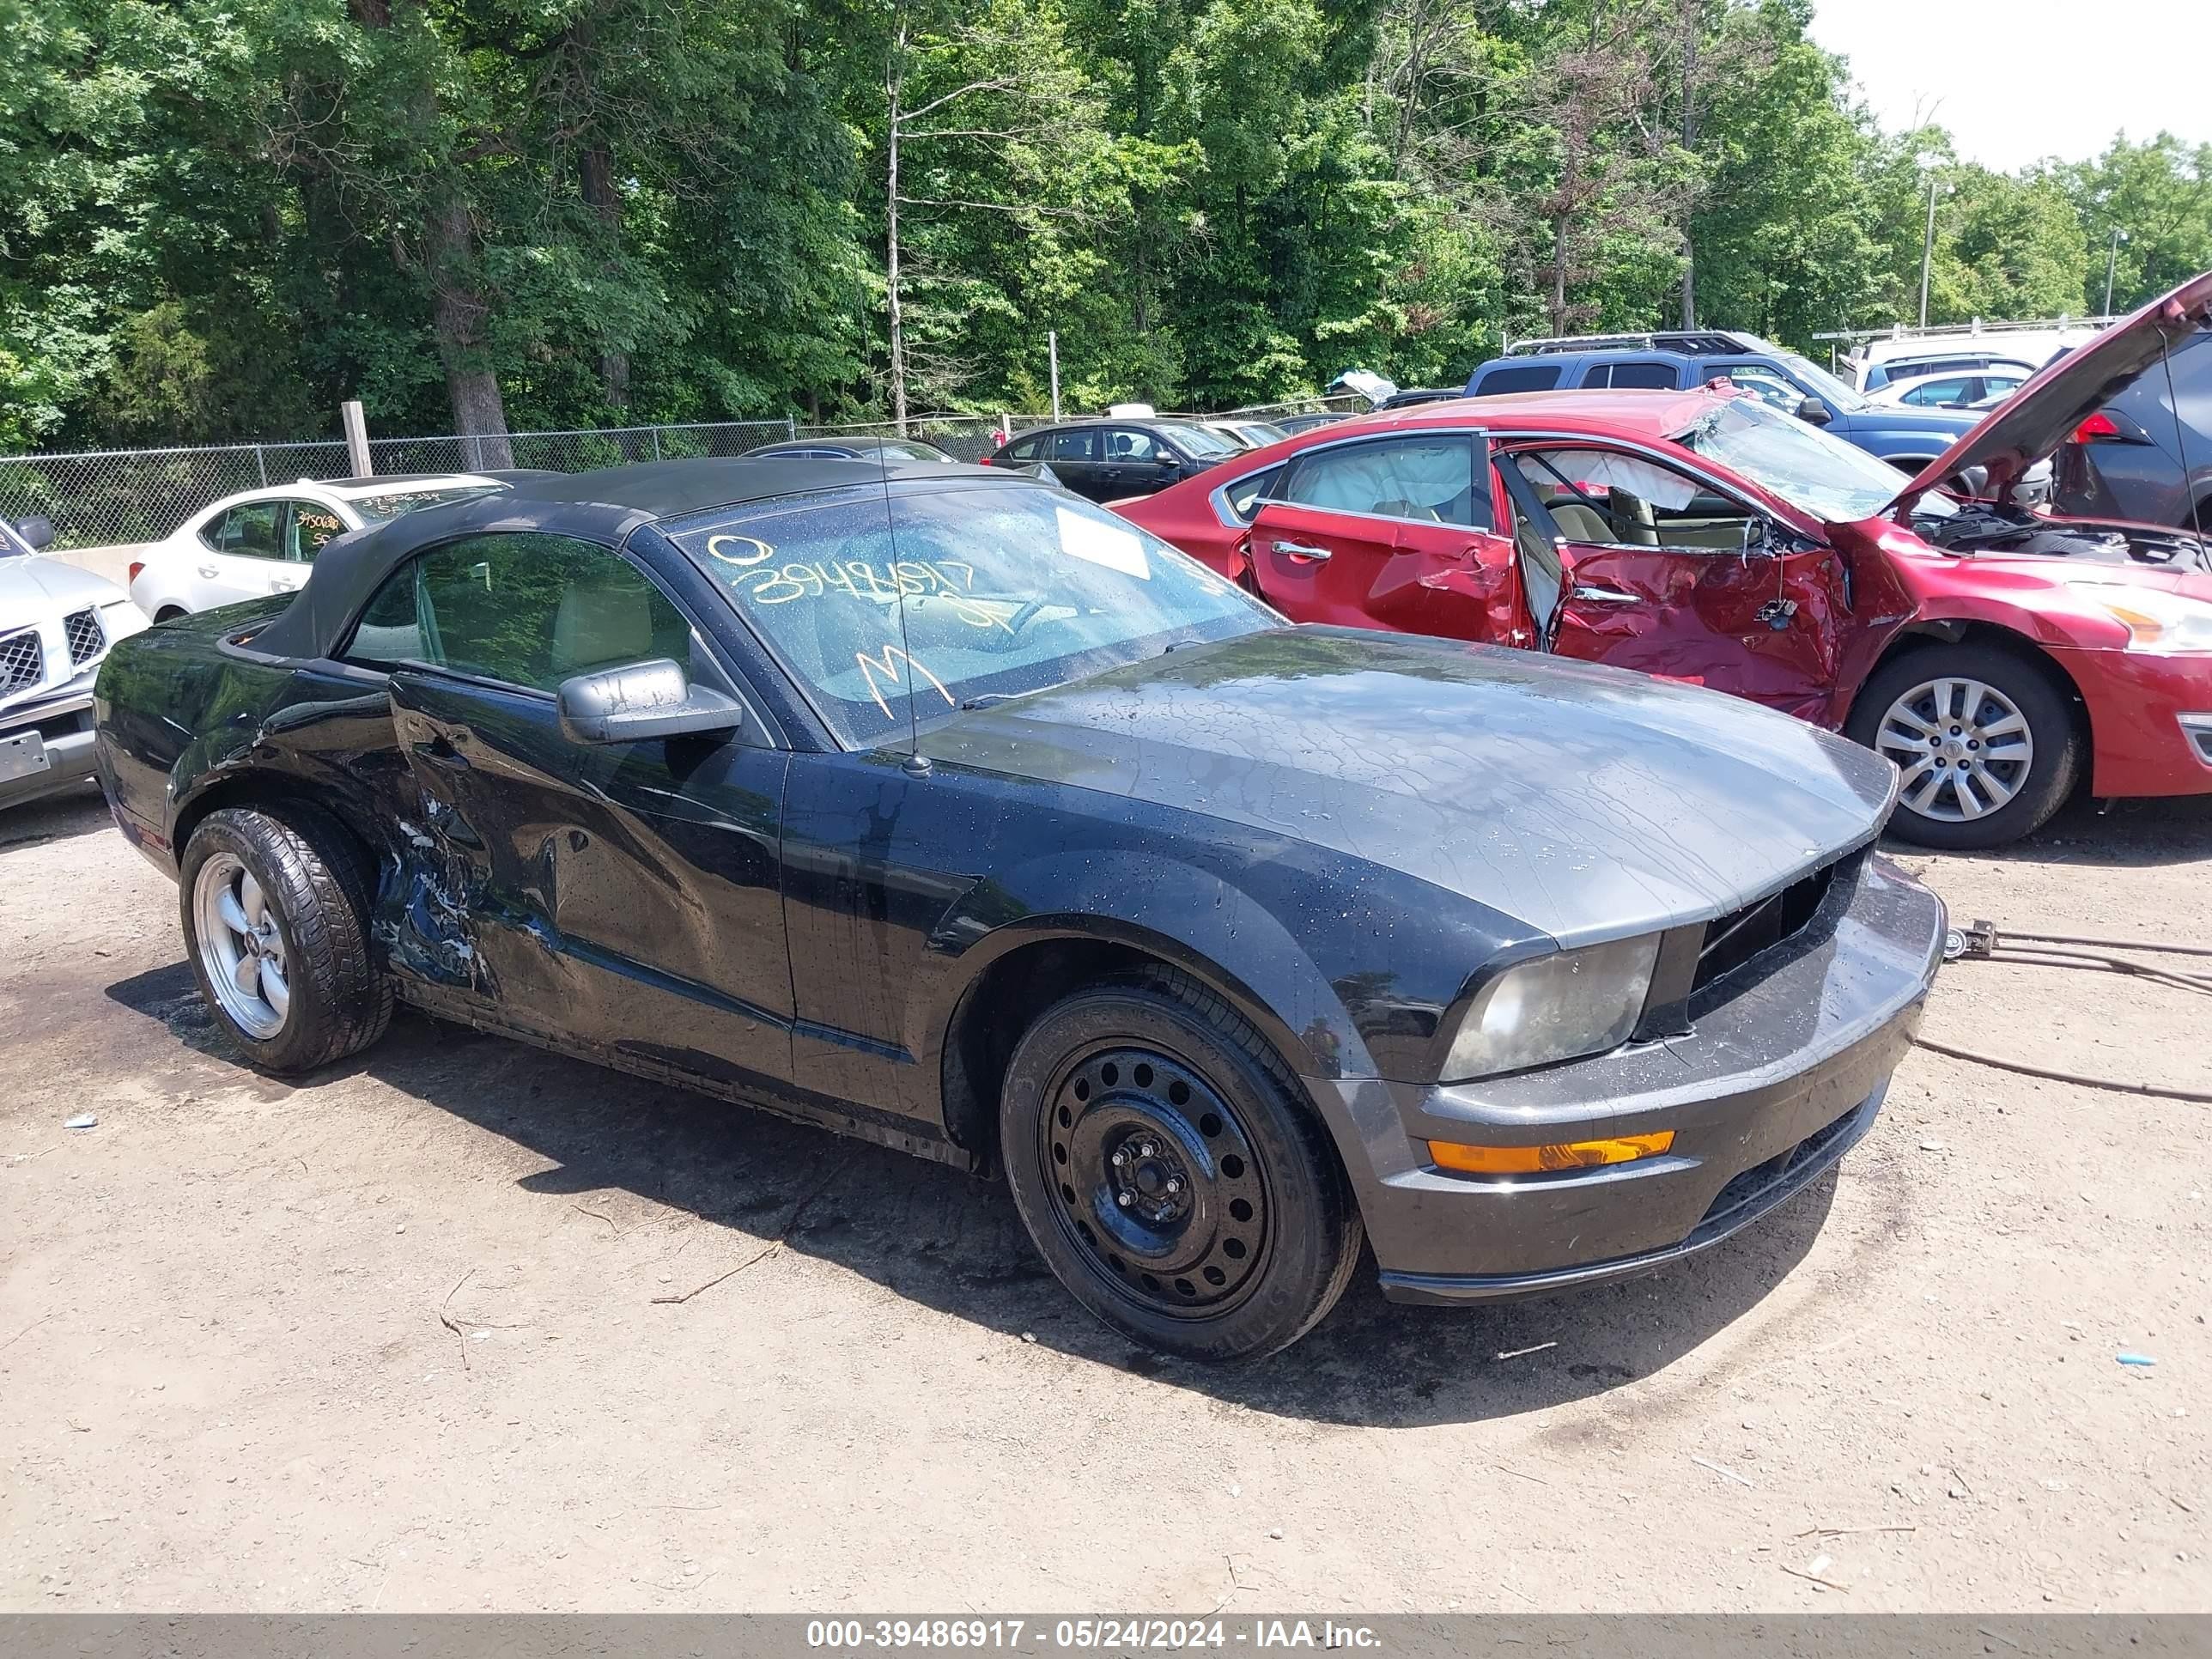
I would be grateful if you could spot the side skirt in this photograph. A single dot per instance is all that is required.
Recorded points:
(841, 1117)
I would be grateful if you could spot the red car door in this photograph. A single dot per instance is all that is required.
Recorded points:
(1392, 533)
(1666, 575)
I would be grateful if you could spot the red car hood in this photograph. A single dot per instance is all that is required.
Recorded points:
(2037, 417)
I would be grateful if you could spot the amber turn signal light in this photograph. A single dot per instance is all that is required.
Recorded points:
(1535, 1160)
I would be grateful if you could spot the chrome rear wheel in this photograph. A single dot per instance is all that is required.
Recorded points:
(242, 948)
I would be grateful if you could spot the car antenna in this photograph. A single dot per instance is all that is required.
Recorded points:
(916, 764)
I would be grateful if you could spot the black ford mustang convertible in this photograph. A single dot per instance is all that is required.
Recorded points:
(934, 805)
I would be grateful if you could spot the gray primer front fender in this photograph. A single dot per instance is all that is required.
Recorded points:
(1190, 917)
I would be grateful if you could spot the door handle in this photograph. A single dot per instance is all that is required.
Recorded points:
(1300, 551)
(440, 752)
(1601, 595)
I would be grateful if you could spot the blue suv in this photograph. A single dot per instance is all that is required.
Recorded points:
(1907, 437)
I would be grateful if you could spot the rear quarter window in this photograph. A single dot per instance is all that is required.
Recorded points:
(1519, 377)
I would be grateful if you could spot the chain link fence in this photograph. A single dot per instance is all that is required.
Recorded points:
(114, 497)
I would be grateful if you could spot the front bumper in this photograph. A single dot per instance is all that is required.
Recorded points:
(45, 745)
(1784, 1070)
(2145, 712)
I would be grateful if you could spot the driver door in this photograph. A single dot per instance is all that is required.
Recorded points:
(1660, 573)
(622, 895)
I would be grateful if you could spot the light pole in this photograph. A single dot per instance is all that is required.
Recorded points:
(1928, 249)
(2111, 262)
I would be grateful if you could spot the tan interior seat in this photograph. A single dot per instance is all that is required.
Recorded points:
(1578, 523)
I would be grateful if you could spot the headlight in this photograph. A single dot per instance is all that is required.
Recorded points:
(1573, 1002)
(2157, 620)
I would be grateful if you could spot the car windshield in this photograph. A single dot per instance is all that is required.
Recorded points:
(1836, 481)
(898, 449)
(12, 546)
(955, 595)
(382, 509)
(1195, 440)
(1822, 384)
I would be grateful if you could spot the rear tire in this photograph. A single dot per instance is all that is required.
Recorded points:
(1986, 739)
(1226, 1229)
(275, 921)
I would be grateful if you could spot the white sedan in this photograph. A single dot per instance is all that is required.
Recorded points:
(263, 541)
(1966, 388)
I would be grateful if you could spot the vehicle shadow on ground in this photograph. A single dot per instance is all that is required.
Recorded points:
(954, 1243)
(2124, 835)
(79, 812)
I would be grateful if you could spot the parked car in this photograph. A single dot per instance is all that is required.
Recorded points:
(1115, 460)
(263, 541)
(1907, 438)
(58, 624)
(1911, 352)
(850, 449)
(936, 807)
(1999, 655)
(1414, 397)
(1953, 389)
(1292, 425)
(2146, 454)
(1247, 435)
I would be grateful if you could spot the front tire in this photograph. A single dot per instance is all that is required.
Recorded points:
(1170, 1175)
(275, 923)
(1984, 737)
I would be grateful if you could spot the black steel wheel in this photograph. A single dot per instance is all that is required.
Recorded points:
(1170, 1175)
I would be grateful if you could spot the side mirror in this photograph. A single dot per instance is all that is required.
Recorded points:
(642, 702)
(36, 532)
(1815, 410)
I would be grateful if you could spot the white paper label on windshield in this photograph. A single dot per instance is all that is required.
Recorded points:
(1100, 543)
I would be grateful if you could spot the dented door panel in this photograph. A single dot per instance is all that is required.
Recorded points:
(1762, 626)
(1457, 582)
(629, 894)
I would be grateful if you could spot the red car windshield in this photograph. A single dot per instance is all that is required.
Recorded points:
(1836, 483)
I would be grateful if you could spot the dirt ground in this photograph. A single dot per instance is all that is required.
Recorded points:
(390, 1341)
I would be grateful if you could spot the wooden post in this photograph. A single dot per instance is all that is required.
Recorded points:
(356, 437)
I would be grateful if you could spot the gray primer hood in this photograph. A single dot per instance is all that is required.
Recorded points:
(1585, 801)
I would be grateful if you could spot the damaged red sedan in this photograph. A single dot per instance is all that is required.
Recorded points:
(2002, 658)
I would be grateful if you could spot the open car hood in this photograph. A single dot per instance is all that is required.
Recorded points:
(2038, 417)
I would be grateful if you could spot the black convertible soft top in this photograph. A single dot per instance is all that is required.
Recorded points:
(605, 506)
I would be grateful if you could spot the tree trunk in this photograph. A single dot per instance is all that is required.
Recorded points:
(1689, 143)
(596, 167)
(458, 310)
(457, 316)
(1559, 221)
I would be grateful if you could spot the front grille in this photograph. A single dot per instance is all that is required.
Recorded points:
(86, 640)
(1734, 939)
(1759, 1180)
(22, 662)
